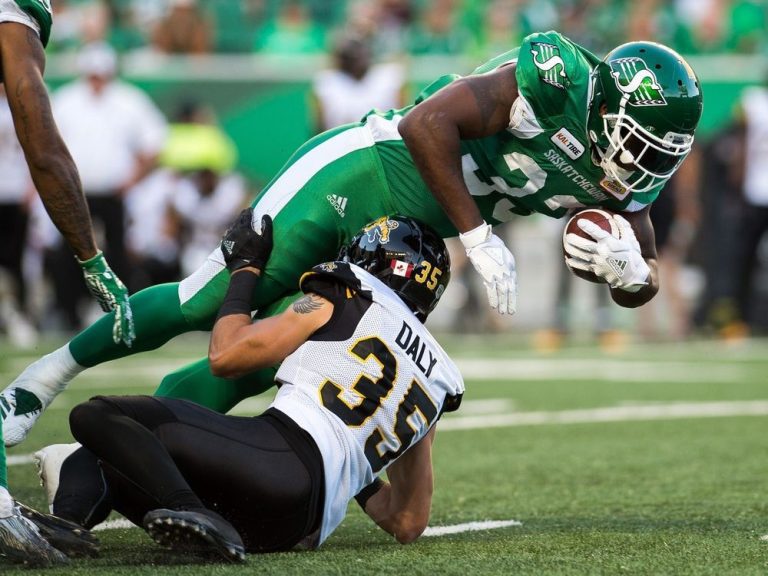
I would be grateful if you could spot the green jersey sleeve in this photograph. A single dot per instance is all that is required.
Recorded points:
(40, 10)
(548, 67)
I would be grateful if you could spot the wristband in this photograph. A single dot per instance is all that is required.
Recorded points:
(90, 262)
(365, 494)
(239, 294)
(476, 236)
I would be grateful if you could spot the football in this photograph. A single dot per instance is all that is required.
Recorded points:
(602, 218)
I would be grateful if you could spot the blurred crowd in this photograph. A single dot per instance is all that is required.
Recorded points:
(475, 27)
(162, 187)
(160, 192)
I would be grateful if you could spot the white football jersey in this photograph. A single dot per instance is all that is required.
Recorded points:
(344, 99)
(755, 103)
(366, 386)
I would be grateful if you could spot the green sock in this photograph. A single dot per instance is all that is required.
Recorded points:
(157, 317)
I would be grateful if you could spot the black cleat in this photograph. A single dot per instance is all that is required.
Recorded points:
(73, 540)
(21, 542)
(201, 531)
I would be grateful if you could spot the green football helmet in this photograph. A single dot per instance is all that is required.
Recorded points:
(644, 106)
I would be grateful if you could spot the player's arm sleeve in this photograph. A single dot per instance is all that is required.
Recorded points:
(547, 64)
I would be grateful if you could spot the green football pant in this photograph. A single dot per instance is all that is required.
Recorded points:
(309, 226)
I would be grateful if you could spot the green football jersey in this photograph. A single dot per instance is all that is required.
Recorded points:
(40, 10)
(542, 162)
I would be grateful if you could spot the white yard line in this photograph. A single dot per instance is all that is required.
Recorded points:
(623, 413)
(18, 459)
(636, 413)
(114, 525)
(149, 373)
(470, 527)
(570, 369)
(431, 531)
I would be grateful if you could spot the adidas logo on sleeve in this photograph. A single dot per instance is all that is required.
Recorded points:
(339, 203)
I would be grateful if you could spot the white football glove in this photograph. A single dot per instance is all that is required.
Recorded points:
(495, 263)
(616, 260)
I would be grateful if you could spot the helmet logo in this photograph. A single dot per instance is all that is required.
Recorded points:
(328, 266)
(634, 79)
(379, 229)
(546, 57)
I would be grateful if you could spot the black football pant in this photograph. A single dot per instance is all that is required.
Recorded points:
(263, 474)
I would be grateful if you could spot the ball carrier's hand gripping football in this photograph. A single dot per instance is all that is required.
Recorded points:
(495, 263)
(617, 260)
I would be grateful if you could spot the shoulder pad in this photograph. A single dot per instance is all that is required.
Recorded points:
(331, 274)
(548, 65)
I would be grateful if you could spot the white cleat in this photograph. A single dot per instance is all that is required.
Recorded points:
(19, 409)
(49, 461)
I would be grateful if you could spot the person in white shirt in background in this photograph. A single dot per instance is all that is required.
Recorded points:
(205, 203)
(751, 174)
(355, 85)
(16, 191)
(209, 193)
(115, 134)
(152, 232)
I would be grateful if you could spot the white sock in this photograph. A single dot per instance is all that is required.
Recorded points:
(6, 503)
(49, 375)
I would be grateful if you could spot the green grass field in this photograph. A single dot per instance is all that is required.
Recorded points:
(654, 461)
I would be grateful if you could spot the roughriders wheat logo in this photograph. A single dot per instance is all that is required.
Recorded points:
(551, 67)
(380, 228)
(635, 79)
(46, 4)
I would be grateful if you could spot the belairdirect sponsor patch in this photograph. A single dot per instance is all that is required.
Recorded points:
(614, 187)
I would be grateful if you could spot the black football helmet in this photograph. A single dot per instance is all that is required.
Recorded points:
(407, 255)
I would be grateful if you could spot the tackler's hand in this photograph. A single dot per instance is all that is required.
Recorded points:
(243, 246)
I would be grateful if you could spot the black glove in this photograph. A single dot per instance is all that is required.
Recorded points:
(244, 247)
